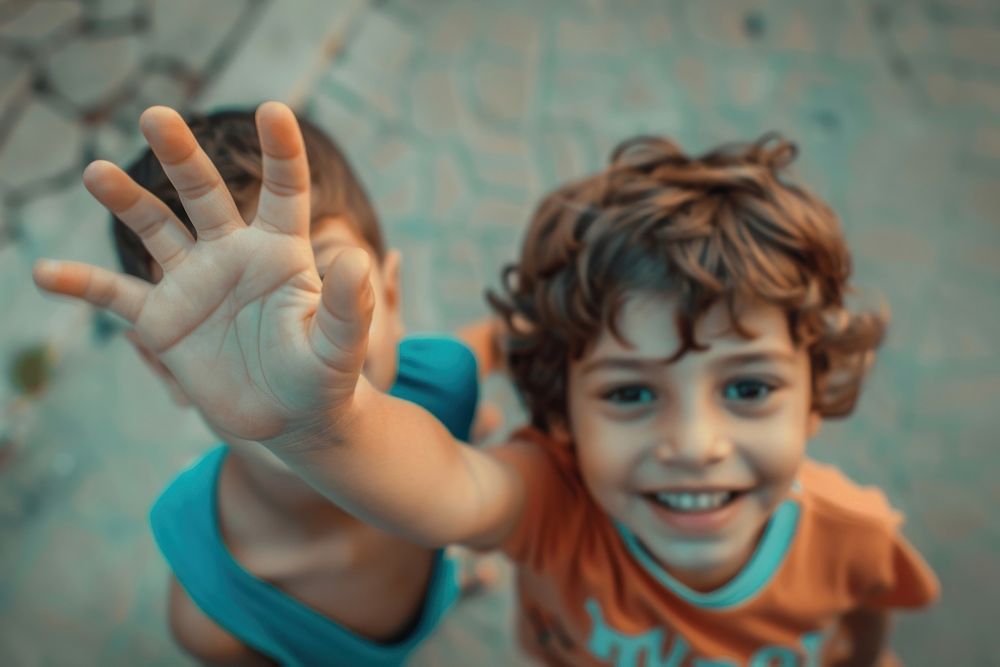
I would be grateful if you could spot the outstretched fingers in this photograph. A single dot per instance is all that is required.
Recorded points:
(122, 294)
(339, 331)
(202, 190)
(284, 193)
(161, 232)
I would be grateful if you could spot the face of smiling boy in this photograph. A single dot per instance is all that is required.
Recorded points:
(692, 457)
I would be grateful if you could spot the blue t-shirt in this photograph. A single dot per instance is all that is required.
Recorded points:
(436, 373)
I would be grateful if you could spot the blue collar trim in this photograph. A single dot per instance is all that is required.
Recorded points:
(763, 564)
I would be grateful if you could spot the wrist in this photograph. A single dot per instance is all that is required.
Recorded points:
(325, 428)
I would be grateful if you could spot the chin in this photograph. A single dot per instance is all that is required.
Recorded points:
(697, 556)
(701, 567)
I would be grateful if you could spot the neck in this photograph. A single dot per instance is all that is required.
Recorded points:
(705, 581)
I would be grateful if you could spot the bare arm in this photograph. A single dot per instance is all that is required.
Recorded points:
(864, 633)
(433, 490)
(269, 352)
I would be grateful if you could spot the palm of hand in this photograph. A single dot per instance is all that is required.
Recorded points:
(240, 316)
(230, 322)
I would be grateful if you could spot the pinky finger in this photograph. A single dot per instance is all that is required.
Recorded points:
(122, 294)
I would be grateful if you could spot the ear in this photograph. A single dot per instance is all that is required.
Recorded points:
(154, 364)
(390, 278)
(390, 274)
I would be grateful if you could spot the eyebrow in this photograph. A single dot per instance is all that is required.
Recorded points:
(761, 357)
(647, 363)
(621, 363)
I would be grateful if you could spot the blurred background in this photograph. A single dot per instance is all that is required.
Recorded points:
(458, 116)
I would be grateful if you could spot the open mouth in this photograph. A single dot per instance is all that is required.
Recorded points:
(689, 502)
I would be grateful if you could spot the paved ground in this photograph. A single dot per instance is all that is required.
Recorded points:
(459, 115)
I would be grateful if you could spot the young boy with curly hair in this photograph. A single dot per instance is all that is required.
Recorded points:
(264, 568)
(678, 331)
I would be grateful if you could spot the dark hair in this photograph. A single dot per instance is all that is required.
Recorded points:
(721, 226)
(230, 139)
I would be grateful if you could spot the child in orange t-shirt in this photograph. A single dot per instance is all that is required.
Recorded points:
(677, 331)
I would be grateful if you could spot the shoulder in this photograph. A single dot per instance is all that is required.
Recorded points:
(854, 539)
(835, 499)
(192, 490)
(439, 374)
(558, 511)
(428, 352)
(542, 458)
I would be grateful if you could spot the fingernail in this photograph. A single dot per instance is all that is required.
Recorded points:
(46, 266)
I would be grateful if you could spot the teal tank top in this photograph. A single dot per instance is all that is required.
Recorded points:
(436, 373)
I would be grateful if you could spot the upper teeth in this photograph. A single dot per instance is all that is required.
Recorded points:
(693, 501)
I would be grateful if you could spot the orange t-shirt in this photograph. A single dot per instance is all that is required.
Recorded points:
(590, 595)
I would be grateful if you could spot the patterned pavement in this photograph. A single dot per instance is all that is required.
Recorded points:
(459, 115)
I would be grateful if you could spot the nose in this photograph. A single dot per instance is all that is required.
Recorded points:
(693, 437)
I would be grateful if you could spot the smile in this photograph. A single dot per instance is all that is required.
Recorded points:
(694, 502)
(696, 512)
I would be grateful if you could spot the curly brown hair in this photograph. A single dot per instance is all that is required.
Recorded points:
(229, 138)
(725, 225)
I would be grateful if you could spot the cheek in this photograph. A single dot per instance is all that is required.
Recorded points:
(381, 360)
(380, 370)
(775, 450)
(381, 366)
(604, 454)
(603, 476)
(605, 449)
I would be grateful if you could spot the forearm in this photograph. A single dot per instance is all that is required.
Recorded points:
(865, 633)
(392, 464)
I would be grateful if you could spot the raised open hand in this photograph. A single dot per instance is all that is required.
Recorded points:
(240, 316)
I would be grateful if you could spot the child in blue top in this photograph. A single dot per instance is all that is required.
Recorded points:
(266, 570)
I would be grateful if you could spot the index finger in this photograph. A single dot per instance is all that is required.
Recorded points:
(284, 193)
(202, 190)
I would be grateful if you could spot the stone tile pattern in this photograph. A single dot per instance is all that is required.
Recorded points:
(459, 116)
(83, 583)
(74, 77)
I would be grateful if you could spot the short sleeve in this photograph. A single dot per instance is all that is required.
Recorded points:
(904, 579)
(555, 501)
(862, 534)
(439, 374)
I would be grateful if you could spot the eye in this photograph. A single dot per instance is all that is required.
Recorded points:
(633, 394)
(748, 390)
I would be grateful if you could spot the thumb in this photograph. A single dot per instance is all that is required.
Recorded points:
(339, 330)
